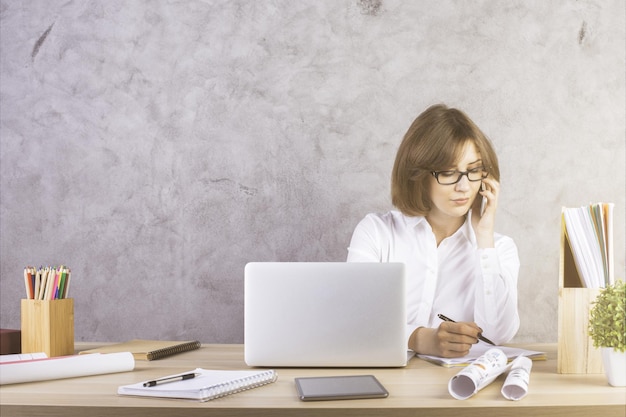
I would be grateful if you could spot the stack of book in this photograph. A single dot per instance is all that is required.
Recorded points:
(589, 230)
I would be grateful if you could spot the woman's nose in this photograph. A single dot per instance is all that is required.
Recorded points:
(463, 184)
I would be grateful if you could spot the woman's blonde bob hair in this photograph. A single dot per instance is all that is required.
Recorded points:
(434, 142)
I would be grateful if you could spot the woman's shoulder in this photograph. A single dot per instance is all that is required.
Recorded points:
(503, 240)
(391, 219)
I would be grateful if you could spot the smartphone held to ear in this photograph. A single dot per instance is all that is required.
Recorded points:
(483, 200)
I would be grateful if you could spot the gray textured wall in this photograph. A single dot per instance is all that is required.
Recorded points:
(155, 147)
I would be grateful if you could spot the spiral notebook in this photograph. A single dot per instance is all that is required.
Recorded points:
(147, 349)
(207, 385)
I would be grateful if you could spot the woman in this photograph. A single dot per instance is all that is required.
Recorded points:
(456, 265)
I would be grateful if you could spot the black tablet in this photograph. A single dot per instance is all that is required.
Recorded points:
(339, 388)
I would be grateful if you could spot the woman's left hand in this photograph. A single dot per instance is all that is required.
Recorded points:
(484, 223)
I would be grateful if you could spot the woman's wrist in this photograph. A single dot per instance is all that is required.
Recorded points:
(420, 340)
(485, 240)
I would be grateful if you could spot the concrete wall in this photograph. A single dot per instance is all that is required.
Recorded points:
(155, 147)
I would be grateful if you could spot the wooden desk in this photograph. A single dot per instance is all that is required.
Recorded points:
(420, 389)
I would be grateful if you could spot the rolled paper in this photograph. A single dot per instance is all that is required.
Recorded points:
(477, 375)
(65, 367)
(516, 384)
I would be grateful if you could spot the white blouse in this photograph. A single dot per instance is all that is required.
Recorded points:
(455, 279)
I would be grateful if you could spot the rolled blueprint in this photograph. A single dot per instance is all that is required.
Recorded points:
(65, 367)
(516, 384)
(478, 374)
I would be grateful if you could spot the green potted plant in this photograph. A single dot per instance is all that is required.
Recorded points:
(607, 328)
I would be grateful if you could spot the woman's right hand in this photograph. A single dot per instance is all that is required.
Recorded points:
(449, 340)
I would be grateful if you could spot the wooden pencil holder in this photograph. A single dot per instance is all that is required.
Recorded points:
(575, 351)
(48, 326)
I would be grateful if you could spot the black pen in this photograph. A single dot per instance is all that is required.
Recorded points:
(480, 336)
(170, 379)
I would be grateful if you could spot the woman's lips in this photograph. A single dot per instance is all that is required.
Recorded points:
(460, 201)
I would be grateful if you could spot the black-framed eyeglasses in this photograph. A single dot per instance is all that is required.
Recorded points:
(454, 176)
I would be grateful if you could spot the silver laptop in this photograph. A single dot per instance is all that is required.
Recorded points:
(325, 314)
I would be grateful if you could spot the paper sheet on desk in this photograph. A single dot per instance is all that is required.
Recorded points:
(478, 350)
(65, 367)
(16, 357)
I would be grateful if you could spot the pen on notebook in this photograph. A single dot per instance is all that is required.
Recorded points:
(170, 379)
(480, 336)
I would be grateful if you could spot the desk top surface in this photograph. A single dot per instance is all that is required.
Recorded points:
(420, 388)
